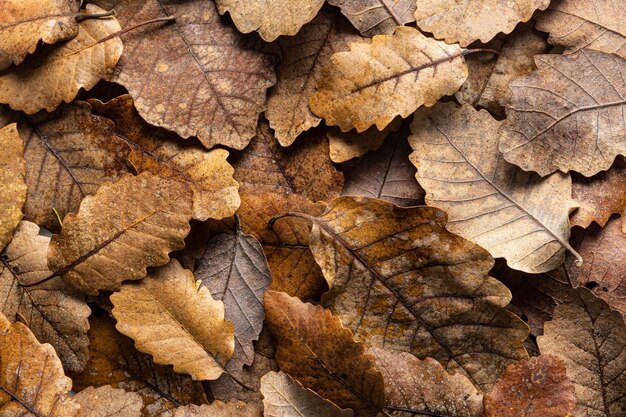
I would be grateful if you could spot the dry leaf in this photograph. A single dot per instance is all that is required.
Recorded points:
(314, 348)
(54, 311)
(599, 196)
(393, 76)
(593, 24)
(12, 185)
(375, 17)
(590, 339)
(210, 83)
(24, 23)
(536, 387)
(464, 21)
(397, 278)
(271, 18)
(299, 72)
(175, 320)
(305, 169)
(567, 115)
(511, 213)
(284, 397)
(46, 80)
(108, 402)
(32, 381)
(155, 150)
(234, 269)
(347, 145)
(219, 409)
(118, 232)
(424, 388)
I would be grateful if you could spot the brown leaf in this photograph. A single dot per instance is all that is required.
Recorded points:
(46, 80)
(567, 115)
(283, 397)
(393, 76)
(53, 310)
(12, 185)
(423, 388)
(220, 409)
(464, 21)
(599, 196)
(511, 213)
(155, 150)
(375, 17)
(577, 24)
(108, 402)
(209, 83)
(271, 18)
(32, 381)
(314, 348)
(24, 23)
(535, 387)
(590, 339)
(347, 145)
(305, 169)
(113, 360)
(118, 232)
(299, 72)
(397, 278)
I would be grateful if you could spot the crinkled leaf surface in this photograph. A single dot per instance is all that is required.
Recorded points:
(375, 17)
(12, 185)
(108, 402)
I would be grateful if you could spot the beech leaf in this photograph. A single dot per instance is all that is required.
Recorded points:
(108, 402)
(376, 17)
(12, 185)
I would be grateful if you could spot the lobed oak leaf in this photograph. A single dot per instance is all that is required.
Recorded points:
(106, 401)
(376, 17)
(567, 115)
(12, 186)
(219, 409)
(535, 387)
(155, 150)
(120, 231)
(511, 213)
(345, 146)
(57, 76)
(176, 321)
(391, 76)
(464, 21)
(53, 310)
(590, 339)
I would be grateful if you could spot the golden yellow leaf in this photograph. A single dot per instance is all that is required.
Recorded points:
(106, 401)
(12, 185)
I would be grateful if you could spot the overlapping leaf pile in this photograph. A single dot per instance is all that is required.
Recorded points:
(291, 208)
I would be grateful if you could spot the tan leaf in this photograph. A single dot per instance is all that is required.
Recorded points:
(24, 23)
(347, 145)
(284, 397)
(305, 169)
(535, 387)
(511, 213)
(118, 232)
(220, 409)
(393, 76)
(54, 311)
(271, 18)
(108, 402)
(155, 150)
(567, 115)
(464, 21)
(593, 24)
(114, 361)
(398, 278)
(424, 388)
(299, 72)
(209, 83)
(375, 17)
(32, 381)
(47, 80)
(599, 196)
(175, 320)
(590, 339)
(313, 347)
(12, 185)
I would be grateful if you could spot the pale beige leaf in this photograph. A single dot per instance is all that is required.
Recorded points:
(108, 402)
(376, 17)
(47, 80)
(393, 76)
(175, 320)
(464, 21)
(12, 185)
(220, 409)
(120, 231)
(348, 145)
(271, 18)
(511, 213)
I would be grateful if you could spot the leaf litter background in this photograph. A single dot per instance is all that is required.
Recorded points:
(270, 208)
